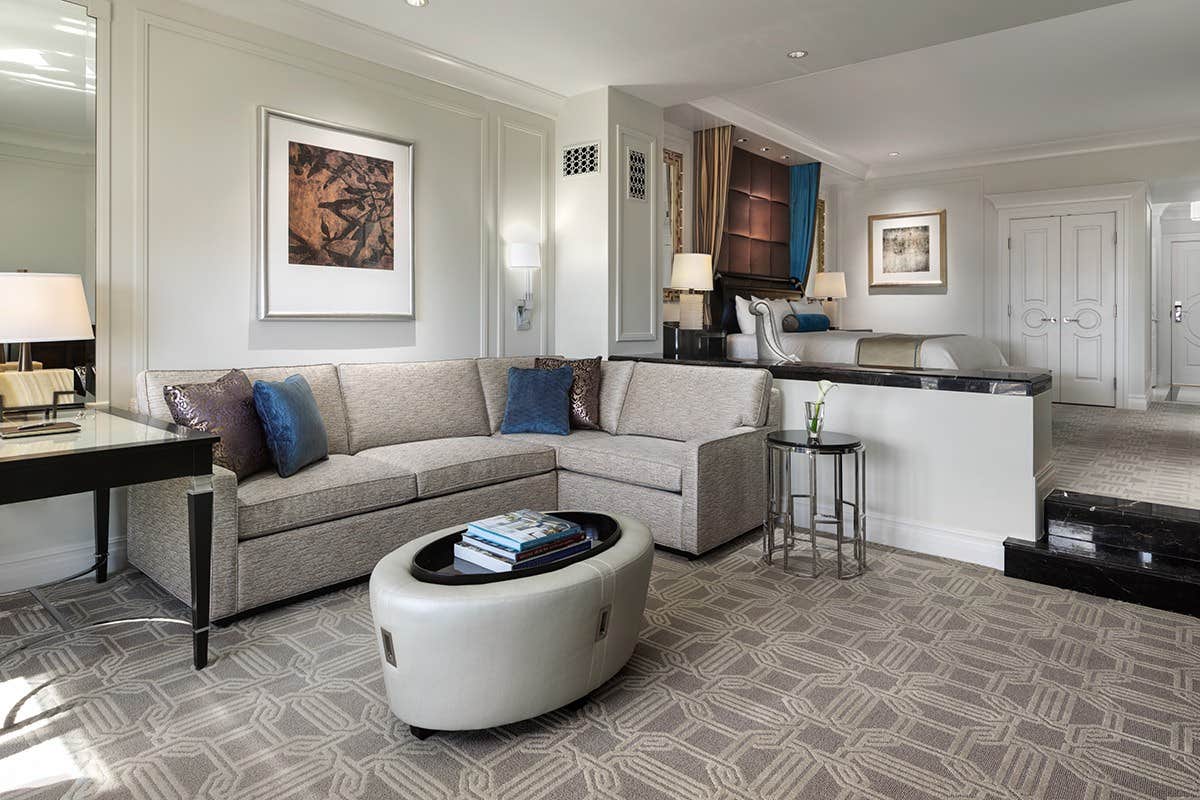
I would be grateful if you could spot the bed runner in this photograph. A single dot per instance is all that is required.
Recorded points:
(901, 350)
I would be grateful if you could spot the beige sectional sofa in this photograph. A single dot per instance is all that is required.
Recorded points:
(415, 447)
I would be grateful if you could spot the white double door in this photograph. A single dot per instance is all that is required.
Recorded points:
(1063, 306)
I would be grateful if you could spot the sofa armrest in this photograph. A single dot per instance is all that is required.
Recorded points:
(157, 538)
(724, 489)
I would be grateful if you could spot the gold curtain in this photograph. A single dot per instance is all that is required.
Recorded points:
(714, 153)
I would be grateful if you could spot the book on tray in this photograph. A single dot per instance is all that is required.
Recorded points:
(520, 539)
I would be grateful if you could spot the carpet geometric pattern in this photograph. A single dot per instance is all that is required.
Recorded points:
(1151, 455)
(926, 678)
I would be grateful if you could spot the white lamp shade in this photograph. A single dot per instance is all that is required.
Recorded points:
(43, 307)
(692, 271)
(829, 284)
(524, 255)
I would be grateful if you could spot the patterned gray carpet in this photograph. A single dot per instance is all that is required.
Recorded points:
(925, 679)
(1139, 455)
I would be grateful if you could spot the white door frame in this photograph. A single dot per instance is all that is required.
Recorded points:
(1117, 198)
(1168, 244)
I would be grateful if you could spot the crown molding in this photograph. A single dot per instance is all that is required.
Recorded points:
(305, 21)
(1033, 152)
(743, 117)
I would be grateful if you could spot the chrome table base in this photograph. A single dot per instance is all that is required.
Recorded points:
(780, 532)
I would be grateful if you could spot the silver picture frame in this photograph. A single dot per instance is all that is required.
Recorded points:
(263, 241)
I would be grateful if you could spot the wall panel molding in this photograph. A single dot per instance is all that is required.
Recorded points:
(640, 272)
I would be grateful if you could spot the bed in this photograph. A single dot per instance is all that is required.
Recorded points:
(858, 348)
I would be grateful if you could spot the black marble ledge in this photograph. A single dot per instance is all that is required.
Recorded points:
(1130, 524)
(1011, 381)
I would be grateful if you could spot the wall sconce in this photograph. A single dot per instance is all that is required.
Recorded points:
(526, 257)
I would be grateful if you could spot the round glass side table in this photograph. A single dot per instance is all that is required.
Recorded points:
(781, 499)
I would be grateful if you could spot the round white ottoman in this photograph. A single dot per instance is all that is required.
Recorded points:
(472, 657)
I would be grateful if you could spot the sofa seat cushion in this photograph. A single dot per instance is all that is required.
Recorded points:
(443, 466)
(341, 486)
(638, 460)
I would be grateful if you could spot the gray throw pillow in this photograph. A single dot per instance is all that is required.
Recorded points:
(224, 407)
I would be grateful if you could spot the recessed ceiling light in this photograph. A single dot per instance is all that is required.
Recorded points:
(742, 140)
(417, 3)
(765, 149)
(798, 54)
(894, 154)
(785, 156)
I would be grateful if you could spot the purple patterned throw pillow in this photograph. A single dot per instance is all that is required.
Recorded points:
(585, 388)
(226, 408)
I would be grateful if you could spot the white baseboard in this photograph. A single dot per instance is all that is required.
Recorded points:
(985, 549)
(970, 546)
(42, 566)
(1137, 402)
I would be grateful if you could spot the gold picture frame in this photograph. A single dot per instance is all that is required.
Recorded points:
(907, 250)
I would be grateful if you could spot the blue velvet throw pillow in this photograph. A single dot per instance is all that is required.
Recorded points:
(539, 401)
(295, 431)
(805, 323)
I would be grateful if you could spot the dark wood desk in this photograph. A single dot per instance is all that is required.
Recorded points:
(117, 448)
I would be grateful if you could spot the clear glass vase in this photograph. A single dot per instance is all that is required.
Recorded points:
(814, 416)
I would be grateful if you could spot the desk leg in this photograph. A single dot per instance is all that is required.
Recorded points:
(200, 512)
(100, 505)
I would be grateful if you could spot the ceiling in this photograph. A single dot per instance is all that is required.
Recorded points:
(47, 82)
(1123, 68)
(664, 52)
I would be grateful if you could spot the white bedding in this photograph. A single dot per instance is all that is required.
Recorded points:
(840, 347)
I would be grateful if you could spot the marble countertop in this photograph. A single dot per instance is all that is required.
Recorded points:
(1006, 381)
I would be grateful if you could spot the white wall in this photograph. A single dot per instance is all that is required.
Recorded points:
(609, 286)
(581, 232)
(956, 309)
(635, 230)
(186, 86)
(972, 237)
(938, 481)
(45, 216)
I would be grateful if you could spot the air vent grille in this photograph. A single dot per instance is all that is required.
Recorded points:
(581, 159)
(637, 174)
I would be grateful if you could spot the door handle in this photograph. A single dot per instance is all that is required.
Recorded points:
(1070, 319)
(1051, 320)
(1177, 311)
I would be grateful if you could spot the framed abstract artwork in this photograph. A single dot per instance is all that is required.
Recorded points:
(335, 218)
(907, 249)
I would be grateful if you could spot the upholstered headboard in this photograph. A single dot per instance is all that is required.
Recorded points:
(731, 286)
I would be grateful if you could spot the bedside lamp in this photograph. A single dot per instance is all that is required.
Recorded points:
(832, 287)
(526, 257)
(42, 307)
(691, 272)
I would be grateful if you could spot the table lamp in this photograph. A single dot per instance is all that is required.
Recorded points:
(832, 287)
(42, 307)
(526, 257)
(691, 272)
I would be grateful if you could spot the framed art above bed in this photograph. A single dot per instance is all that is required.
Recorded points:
(907, 249)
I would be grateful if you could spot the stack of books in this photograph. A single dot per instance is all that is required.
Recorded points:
(519, 540)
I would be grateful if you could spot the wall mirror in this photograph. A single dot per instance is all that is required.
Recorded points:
(48, 165)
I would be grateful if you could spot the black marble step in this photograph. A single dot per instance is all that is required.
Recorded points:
(1147, 579)
(1128, 524)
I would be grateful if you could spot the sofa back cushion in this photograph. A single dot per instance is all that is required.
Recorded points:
(412, 402)
(614, 384)
(681, 402)
(493, 375)
(322, 379)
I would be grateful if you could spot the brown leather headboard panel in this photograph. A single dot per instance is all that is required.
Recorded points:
(757, 223)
